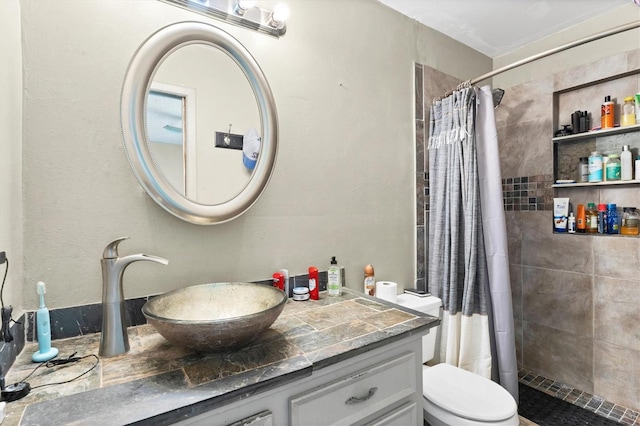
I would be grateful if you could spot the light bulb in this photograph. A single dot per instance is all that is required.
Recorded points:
(241, 6)
(280, 13)
(246, 4)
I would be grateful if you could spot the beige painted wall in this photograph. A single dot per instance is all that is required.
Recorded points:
(344, 179)
(10, 151)
(573, 57)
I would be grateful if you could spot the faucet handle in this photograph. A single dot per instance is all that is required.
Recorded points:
(111, 250)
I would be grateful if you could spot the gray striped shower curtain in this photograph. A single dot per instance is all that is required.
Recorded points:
(468, 262)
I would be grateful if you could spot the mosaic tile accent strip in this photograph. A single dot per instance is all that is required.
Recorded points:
(593, 403)
(528, 193)
(524, 193)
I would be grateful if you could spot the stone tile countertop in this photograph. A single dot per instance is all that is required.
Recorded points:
(158, 383)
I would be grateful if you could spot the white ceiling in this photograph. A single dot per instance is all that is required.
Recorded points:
(497, 27)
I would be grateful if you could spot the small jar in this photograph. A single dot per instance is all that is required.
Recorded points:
(583, 170)
(630, 221)
(613, 167)
(628, 112)
(300, 293)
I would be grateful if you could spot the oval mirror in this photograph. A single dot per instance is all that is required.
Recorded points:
(196, 109)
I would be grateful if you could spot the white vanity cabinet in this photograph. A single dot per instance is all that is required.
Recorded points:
(379, 387)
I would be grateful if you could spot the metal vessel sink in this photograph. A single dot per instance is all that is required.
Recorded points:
(215, 317)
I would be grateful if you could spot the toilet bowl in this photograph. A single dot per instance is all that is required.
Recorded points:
(453, 396)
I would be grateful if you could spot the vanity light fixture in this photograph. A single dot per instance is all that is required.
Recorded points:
(244, 13)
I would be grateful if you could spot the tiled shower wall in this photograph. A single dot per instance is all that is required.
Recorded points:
(576, 298)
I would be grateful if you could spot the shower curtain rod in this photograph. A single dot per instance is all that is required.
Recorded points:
(550, 52)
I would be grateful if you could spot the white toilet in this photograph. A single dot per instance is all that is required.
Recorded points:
(453, 396)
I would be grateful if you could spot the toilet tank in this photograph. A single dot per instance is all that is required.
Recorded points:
(429, 305)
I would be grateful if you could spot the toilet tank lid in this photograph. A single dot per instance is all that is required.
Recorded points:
(420, 304)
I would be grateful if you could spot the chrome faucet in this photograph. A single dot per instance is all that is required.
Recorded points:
(114, 339)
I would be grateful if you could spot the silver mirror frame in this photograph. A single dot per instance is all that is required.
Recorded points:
(132, 109)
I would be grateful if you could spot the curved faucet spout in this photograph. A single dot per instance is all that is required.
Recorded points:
(114, 339)
(127, 260)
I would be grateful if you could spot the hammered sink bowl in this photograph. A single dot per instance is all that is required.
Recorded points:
(215, 317)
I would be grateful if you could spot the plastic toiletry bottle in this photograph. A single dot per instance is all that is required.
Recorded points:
(285, 274)
(592, 219)
(602, 218)
(278, 280)
(630, 220)
(314, 293)
(613, 226)
(626, 167)
(607, 112)
(605, 161)
(571, 227)
(613, 167)
(369, 281)
(43, 327)
(334, 284)
(595, 167)
(583, 170)
(638, 167)
(581, 219)
(628, 112)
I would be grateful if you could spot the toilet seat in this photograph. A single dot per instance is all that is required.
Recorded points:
(467, 395)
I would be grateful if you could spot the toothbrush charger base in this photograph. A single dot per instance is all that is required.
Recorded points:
(44, 356)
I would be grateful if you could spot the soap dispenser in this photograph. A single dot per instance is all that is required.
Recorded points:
(334, 284)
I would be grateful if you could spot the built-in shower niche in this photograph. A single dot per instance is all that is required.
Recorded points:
(567, 150)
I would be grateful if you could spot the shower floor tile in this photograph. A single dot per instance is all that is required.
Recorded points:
(594, 404)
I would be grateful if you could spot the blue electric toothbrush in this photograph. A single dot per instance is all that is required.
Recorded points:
(43, 327)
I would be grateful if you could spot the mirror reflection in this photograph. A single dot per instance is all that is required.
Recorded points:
(200, 96)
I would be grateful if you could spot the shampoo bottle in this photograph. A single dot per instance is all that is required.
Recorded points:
(626, 169)
(607, 113)
(581, 219)
(595, 167)
(334, 284)
(313, 283)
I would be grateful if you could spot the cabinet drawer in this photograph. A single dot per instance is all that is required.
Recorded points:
(358, 395)
(405, 415)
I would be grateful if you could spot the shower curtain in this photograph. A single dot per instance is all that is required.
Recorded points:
(468, 261)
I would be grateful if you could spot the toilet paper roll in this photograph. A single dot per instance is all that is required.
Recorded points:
(387, 290)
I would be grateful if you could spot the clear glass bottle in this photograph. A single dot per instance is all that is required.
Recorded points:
(628, 112)
(630, 221)
(592, 219)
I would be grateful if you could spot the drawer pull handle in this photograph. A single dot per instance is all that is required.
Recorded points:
(357, 400)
